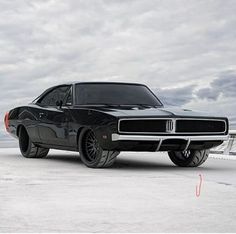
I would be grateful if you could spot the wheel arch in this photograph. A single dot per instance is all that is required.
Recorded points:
(18, 129)
(78, 135)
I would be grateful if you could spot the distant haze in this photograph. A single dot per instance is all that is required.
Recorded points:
(183, 50)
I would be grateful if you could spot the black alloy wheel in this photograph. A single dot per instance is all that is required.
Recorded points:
(92, 154)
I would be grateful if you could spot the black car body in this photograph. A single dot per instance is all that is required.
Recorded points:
(120, 117)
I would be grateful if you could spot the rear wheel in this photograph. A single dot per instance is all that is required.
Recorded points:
(91, 153)
(28, 148)
(189, 158)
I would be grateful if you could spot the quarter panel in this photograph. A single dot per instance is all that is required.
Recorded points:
(26, 116)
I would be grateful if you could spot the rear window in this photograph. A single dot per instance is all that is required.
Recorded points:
(57, 94)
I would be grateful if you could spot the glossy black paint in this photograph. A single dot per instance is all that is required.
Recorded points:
(60, 127)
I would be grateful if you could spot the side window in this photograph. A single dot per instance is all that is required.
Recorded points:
(57, 94)
(68, 98)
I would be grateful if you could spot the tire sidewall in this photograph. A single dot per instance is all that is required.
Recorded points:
(27, 152)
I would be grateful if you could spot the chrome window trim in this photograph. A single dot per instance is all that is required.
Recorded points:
(174, 125)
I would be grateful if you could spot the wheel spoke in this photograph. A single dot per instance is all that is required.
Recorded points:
(90, 149)
(184, 154)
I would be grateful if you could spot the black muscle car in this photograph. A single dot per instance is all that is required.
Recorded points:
(100, 119)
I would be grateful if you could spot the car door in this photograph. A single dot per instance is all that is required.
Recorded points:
(54, 119)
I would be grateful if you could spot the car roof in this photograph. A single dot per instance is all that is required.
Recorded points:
(97, 82)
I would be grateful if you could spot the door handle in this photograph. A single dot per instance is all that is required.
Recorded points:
(41, 115)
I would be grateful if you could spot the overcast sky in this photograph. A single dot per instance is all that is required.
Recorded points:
(183, 50)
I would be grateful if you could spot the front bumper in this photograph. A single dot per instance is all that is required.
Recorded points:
(161, 139)
(118, 137)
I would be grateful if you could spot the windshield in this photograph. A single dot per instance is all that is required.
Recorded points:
(114, 94)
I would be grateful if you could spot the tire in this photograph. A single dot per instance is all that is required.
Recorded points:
(189, 158)
(28, 148)
(91, 153)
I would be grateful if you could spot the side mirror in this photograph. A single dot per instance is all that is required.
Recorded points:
(59, 103)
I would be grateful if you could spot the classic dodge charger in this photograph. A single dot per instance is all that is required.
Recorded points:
(100, 119)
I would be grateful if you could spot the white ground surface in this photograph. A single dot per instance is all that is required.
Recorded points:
(143, 192)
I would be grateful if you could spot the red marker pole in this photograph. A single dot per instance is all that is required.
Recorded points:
(198, 188)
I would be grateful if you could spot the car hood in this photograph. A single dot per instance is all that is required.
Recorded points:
(153, 112)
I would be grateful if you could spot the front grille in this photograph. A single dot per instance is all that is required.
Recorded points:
(200, 126)
(172, 126)
(143, 126)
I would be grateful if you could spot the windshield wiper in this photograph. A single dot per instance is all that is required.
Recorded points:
(145, 105)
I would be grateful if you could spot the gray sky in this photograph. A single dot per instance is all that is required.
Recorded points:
(183, 50)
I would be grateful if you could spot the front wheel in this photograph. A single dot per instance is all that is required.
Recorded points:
(189, 158)
(91, 153)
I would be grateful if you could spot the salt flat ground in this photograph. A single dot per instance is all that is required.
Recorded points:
(142, 192)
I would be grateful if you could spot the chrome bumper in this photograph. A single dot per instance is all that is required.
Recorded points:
(118, 137)
(160, 139)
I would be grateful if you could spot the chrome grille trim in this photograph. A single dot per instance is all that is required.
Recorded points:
(169, 125)
(174, 125)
